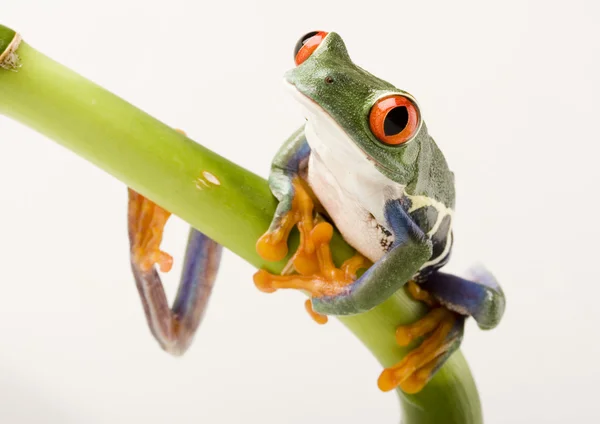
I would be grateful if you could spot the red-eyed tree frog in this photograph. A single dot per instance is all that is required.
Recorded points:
(365, 162)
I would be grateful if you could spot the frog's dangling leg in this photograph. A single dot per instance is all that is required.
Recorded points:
(327, 280)
(443, 329)
(174, 327)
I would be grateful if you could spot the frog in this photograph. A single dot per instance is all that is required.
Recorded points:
(363, 162)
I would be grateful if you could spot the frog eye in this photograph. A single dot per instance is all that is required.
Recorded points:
(307, 45)
(394, 119)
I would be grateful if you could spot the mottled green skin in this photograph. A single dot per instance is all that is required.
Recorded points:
(419, 164)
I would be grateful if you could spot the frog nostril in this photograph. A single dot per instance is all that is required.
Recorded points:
(328, 80)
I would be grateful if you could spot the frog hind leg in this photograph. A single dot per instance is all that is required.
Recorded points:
(452, 299)
(174, 327)
(441, 330)
(479, 295)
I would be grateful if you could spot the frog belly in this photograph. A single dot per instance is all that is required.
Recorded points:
(348, 185)
(358, 225)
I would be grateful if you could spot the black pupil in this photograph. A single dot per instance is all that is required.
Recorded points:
(395, 121)
(303, 40)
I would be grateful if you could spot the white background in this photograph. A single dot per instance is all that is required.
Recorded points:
(510, 91)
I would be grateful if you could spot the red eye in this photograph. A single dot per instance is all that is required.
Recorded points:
(307, 45)
(394, 119)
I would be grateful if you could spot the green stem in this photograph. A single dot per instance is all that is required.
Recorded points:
(172, 170)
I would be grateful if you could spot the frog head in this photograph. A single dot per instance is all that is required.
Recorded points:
(349, 108)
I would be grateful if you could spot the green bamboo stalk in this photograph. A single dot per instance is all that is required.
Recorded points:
(228, 203)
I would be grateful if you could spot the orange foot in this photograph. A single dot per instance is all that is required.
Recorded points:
(416, 369)
(146, 224)
(326, 281)
(318, 274)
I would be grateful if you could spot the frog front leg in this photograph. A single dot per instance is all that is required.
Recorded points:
(336, 291)
(410, 249)
(295, 204)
